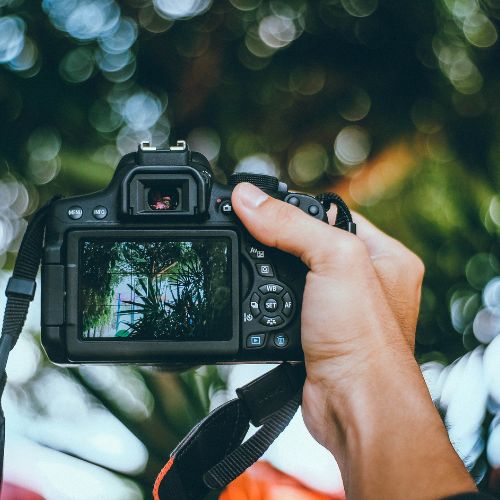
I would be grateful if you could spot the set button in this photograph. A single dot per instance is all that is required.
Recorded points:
(271, 305)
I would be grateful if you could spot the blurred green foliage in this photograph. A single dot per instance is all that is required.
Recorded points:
(314, 90)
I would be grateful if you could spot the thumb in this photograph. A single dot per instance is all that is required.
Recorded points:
(278, 224)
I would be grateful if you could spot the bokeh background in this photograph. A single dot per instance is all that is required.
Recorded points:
(393, 104)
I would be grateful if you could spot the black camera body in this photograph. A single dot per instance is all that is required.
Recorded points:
(157, 269)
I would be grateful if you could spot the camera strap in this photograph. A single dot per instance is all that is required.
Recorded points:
(212, 454)
(20, 292)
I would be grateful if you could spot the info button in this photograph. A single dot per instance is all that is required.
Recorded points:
(100, 212)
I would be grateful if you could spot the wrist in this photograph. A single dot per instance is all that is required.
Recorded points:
(384, 416)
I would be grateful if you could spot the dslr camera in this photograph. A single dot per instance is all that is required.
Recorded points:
(157, 269)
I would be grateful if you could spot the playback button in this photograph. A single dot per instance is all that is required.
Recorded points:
(256, 340)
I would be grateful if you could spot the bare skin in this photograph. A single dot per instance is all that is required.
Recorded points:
(364, 398)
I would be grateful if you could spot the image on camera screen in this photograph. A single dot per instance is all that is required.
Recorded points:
(156, 290)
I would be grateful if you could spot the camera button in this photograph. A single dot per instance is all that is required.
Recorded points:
(226, 207)
(256, 252)
(271, 321)
(254, 305)
(271, 305)
(270, 288)
(265, 270)
(75, 212)
(313, 210)
(287, 304)
(256, 340)
(99, 212)
(280, 340)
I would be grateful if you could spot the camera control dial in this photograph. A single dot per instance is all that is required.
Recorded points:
(265, 182)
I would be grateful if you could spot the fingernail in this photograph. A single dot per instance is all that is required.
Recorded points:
(250, 196)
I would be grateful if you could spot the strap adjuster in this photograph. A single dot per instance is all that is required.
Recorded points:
(267, 394)
(20, 287)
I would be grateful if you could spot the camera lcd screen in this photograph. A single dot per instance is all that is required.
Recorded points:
(139, 290)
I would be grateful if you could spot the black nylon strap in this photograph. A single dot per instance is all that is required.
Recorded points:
(20, 291)
(212, 455)
(250, 451)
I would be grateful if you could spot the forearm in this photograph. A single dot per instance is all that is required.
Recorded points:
(391, 443)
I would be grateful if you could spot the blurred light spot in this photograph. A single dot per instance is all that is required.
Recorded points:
(44, 144)
(122, 74)
(11, 37)
(491, 293)
(463, 308)
(494, 209)
(23, 361)
(57, 475)
(206, 141)
(487, 325)
(256, 45)
(92, 18)
(354, 105)
(277, 32)
(480, 269)
(9, 188)
(150, 20)
(456, 64)
(103, 118)
(491, 368)
(352, 145)
(21, 202)
(43, 171)
(77, 65)
(121, 39)
(464, 397)
(26, 59)
(461, 8)
(360, 8)
(258, 164)
(308, 164)
(142, 110)
(493, 448)
(246, 4)
(108, 155)
(307, 80)
(128, 138)
(113, 61)
(479, 30)
(427, 115)
(181, 9)
(431, 372)
(124, 386)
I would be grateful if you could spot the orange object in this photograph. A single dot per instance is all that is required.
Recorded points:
(263, 482)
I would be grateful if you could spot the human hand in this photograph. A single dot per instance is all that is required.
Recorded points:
(359, 312)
